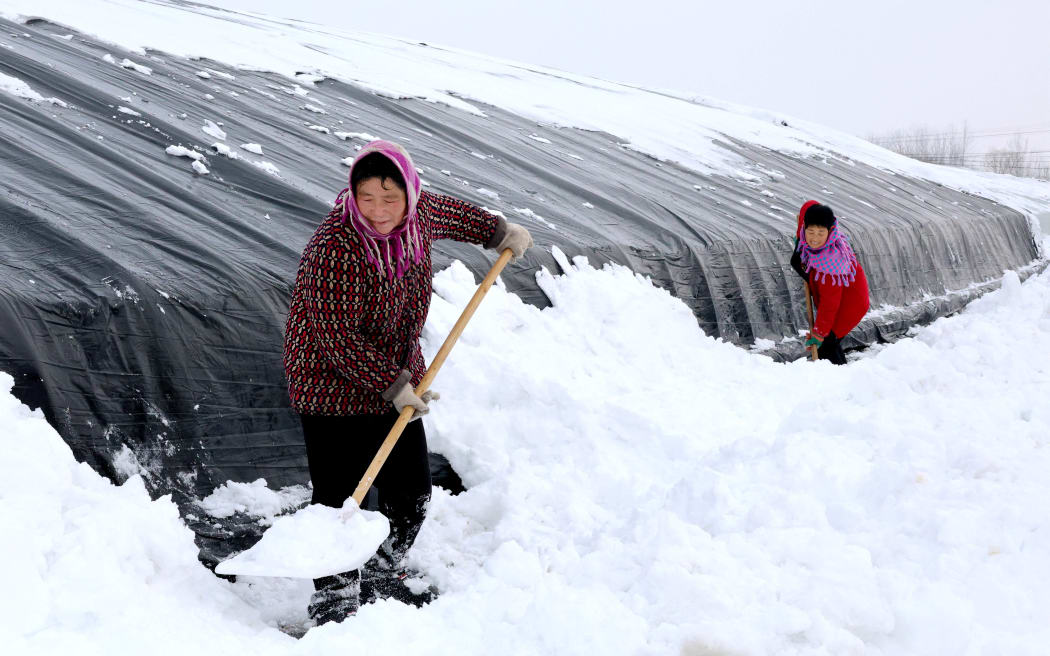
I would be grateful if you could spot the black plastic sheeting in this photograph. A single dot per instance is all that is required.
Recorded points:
(142, 305)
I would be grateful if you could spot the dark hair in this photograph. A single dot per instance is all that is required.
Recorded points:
(376, 165)
(819, 215)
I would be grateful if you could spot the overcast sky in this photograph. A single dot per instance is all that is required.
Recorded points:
(887, 65)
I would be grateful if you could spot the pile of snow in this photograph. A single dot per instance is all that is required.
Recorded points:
(634, 486)
(91, 567)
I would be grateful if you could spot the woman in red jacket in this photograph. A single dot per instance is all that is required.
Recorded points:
(823, 258)
(351, 349)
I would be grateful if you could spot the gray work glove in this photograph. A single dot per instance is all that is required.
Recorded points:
(401, 394)
(517, 240)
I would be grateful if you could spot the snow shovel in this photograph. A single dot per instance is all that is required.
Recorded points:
(809, 311)
(319, 541)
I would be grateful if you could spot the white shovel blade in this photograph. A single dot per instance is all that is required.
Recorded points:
(314, 542)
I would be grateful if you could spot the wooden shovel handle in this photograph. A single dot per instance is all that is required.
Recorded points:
(809, 312)
(428, 378)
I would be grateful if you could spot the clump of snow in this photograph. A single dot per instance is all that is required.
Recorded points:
(200, 168)
(525, 211)
(763, 344)
(127, 110)
(182, 151)
(213, 130)
(203, 74)
(252, 148)
(224, 150)
(314, 108)
(268, 167)
(536, 137)
(255, 499)
(127, 63)
(488, 193)
(318, 128)
(127, 464)
(294, 90)
(363, 136)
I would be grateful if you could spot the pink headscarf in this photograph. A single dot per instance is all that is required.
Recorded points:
(395, 252)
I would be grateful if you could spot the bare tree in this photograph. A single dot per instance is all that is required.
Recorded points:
(1014, 159)
(952, 148)
(947, 147)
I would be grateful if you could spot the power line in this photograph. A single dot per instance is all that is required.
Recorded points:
(940, 135)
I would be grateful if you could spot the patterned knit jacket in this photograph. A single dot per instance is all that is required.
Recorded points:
(352, 333)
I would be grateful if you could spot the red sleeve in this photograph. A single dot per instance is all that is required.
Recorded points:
(451, 218)
(829, 298)
(334, 300)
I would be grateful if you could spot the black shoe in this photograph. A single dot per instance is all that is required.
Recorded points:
(323, 613)
(405, 586)
(336, 598)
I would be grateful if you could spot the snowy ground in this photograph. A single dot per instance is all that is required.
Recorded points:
(635, 487)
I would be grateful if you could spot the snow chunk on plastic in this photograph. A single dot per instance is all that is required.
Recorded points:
(212, 129)
(182, 151)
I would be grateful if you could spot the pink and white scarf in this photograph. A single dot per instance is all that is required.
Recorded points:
(395, 252)
(835, 259)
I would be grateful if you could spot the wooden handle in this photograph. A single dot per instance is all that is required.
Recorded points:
(428, 378)
(809, 312)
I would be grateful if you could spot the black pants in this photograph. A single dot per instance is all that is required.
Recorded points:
(339, 450)
(831, 350)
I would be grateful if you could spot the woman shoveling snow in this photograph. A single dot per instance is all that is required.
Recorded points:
(352, 354)
(825, 260)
